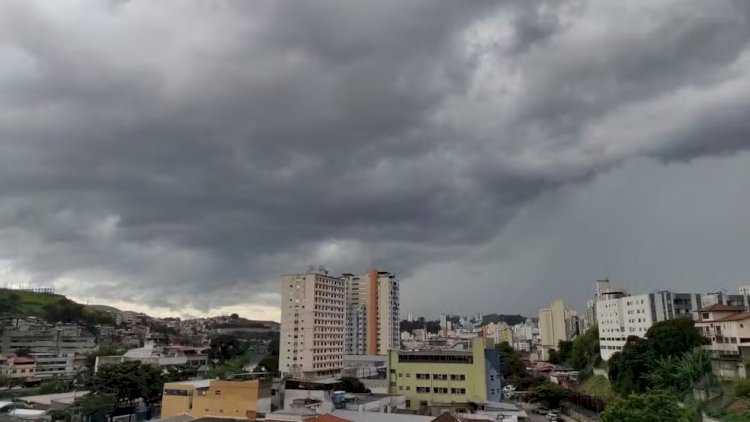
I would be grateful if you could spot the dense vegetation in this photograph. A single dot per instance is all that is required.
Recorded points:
(508, 319)
(654, 406)
(51, 308)
(420, 323)
(663, 359)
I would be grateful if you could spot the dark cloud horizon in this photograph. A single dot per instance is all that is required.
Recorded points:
(182, 155)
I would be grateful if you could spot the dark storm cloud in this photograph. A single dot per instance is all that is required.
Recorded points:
(172, 148)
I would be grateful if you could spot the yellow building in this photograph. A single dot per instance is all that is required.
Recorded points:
(217, 398)
(446, 377)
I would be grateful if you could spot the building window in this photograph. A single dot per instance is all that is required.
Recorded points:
(441, 377)
(458, 391)
(440, 390)
(423, 389)
(458, 377)
(218, 392)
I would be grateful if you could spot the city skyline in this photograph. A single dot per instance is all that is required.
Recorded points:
(494, 155)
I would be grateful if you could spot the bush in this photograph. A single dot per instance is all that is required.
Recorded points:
(741, 389)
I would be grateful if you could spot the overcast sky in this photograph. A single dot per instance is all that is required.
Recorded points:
(177, 157)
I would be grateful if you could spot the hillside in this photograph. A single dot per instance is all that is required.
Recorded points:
(50, 307)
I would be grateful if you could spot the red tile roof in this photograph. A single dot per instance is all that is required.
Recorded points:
(23, 360)
(739, 316)
(329, 418)
(718, 307)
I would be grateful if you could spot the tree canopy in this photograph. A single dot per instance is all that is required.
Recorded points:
(125, 383)
(548, 395)
(629, 370)
(585, 350)
(654, 406)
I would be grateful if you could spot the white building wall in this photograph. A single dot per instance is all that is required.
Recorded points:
(312, 324)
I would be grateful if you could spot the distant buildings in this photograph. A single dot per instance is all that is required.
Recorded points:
(620, 315)
(165, 356)
(372, 304)
(446, 377)
(555, 325)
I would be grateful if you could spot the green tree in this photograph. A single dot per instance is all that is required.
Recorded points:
(679, 375)
(548, 395)
(127, 382)
(654, 406)
(54, 387)
(225, 347)
(511, 364)
(674, 337)
(585, 350)
(94, 407)
(4, 381)
(103, 350)
(24, 351)
(565, 351)
(269, 363)
(741, 389)
(737, 417)
(554, 357)
(353, 385)
(629, 370)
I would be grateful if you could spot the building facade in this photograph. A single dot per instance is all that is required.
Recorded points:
(727, 328)
(429, 378)
(216, 398)
(552, 324)
(313, 321)
(624, 316)
(372, 303)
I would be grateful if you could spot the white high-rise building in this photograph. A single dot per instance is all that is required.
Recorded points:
(621, 317)
(372, 326)
(313, 321)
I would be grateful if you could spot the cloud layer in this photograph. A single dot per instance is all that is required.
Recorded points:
(182, 155)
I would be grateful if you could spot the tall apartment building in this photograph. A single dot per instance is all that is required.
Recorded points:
(313, 321)
(625, 316)
(372, 302)
(552, 324)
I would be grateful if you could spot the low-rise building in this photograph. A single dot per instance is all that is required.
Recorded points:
(193, 357)
(55, 365)
(217, 398)
(433, 377)
(728, 330)
(19, 368)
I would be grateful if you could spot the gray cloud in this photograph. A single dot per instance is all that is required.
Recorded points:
(185, 153)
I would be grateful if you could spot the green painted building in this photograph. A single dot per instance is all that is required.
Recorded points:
(435, 377)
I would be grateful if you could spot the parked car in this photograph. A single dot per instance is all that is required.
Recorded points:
(553, 416)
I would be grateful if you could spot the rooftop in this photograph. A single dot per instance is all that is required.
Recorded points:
(356, 416)
(718, 307)
(195, 383)
(47, 399)
(739, 316)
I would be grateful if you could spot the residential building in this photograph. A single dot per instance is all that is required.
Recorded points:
(624, 316)
(313, 322)
(434, 377)
(372, 301)
(728, 330)
(498, 331)
(723, 298)
(39, 337)
(15, 367)
(187, 356)
(217, 398)
(55, 365)
(552, 325)
(604, 290)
